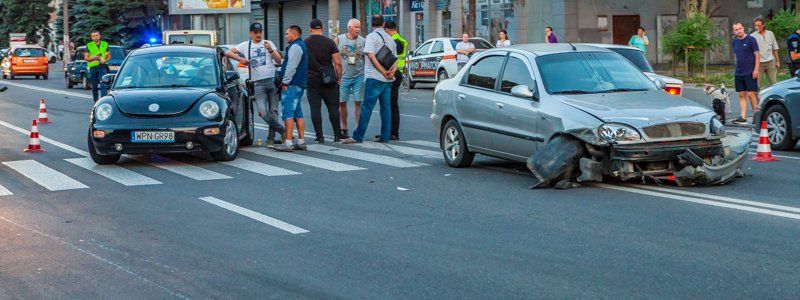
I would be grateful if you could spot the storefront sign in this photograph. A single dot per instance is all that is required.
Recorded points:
(196, 7)
(442, 4)
(417, 5)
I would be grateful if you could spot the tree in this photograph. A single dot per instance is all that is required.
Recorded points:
(784, 23)
(96, 15)
(690, 39)
(30, 17)
(362, 15)
(705, 7)
(59, 24)
(469, 25)
(140, 19)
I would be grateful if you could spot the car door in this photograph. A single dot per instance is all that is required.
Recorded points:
(474, 100)
(232, 90)
(517, 128)
(419, 65)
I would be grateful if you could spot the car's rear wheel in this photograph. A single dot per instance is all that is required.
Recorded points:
(441, 75)
(85, 82)
(37, 76)
(779, 128)
(46, 76)
(98, 158)
(12, 77)
(249, 124)
(230, 149)
(454, 146)
(69, 83)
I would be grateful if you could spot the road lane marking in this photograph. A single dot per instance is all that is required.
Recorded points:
(400, 149)
(720, 198)
(255, 216)
(259, 168)
(422, 143)
(60, 92)
(181, 168)
(116, 173)
(48, 178)
(306, 160)
(698, 201)
(47, 140)
(4, 191)
(373, 158)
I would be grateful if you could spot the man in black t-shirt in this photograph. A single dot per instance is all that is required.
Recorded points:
(324, 77)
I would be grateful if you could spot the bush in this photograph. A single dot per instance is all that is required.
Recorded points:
(691, 36)
(782, 25)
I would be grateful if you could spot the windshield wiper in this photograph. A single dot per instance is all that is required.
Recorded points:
(622, 90)
(574, 92)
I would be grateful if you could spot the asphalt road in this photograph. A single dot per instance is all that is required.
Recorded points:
(372, 222)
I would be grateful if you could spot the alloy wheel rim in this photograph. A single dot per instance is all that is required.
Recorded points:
(230, 139)
(776, 128)
(452, 143)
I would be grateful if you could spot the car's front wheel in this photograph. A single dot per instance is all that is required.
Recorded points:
(442, 75)
(98, 158)
(69, 83)
(230, 149)
(779, 128)
(454, 146)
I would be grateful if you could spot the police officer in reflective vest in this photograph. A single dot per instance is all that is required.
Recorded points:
(97, 57)
(793, 46)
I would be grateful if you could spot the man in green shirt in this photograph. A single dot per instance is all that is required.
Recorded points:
(97, 57)
(402, 49)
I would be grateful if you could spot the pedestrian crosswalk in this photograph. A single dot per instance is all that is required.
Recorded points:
(132, 171)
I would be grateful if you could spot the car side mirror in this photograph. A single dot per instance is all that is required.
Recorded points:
(660, 83)
(231, 76)
(523, 91)
(108, 79)
(410, 53)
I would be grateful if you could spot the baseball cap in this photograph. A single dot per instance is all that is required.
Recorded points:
(256, 27)
(315, 24)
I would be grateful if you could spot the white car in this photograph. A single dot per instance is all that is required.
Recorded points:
(639, 59)
(51, 57)
(435, 60)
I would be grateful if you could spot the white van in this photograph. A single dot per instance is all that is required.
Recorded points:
(190, 37)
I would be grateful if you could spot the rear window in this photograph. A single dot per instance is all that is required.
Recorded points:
(190, 39)
(28, 52)
(637, 57)
(480, 44)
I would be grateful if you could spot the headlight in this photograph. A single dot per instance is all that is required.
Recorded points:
(209, 109)
(716, 127)
(618, 133)
(103, 111)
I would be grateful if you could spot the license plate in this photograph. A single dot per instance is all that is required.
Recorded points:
(153, 137)
(29, 61)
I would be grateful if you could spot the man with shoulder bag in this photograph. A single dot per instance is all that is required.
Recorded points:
(324, 77)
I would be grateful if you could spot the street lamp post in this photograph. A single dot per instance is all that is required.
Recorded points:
(66, 33)
(333, 14)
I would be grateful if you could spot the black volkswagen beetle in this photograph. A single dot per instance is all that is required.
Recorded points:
(172, 99)
(780, 107)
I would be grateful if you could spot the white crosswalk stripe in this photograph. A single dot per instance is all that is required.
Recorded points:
(306, 160)
(181, 168)
(45, 176)
(401, 149)
(4, 191)
(422, 143)
(259, 168)
(373, 158)
(114, 172)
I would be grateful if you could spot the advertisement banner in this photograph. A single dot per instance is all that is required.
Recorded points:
(198, 7)
(417, 5)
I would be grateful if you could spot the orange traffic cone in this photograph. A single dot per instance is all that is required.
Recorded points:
(33, 145)
(764, 152)
(43, 113)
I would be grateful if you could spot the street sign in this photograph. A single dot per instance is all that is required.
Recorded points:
(198, 7)
(17, 39)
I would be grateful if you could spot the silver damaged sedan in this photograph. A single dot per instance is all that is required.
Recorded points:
(580, 113)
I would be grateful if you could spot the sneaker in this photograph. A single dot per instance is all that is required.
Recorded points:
(739, 121)
(299, 146)
(378, 139)
(349, 140)
(320, 140)
(283, 148)
(271, 144)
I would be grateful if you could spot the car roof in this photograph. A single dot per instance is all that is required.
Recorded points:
(544, 48)
(614, 46)
(27, 47)
(173, 49)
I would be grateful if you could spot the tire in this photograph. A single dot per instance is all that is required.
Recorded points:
(249, 124)
(411, 84)
(5, 76)
(98, 158)
(69, 83)
(454, 146)
(46, 76)
(779, 128)
(85, 82)
(441, 75)
(12, 77)
(52, 60)
(231, 148)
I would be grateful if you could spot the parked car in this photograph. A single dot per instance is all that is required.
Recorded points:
(51, 56)
(171, 99)
(3, 53)
(27, 60)
(520, 101)
(435, 60)
(780, 107)
(75, 71)
(639, 59)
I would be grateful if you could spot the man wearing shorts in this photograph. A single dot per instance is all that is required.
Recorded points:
(293, 86)
(351, 48)
(748, 58)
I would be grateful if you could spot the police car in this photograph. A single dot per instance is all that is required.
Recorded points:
(435, 60)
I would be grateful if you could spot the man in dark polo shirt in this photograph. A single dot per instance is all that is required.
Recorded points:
(745, 47)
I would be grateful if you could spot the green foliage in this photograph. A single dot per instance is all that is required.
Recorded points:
(30, 17)
(691, 36)
(783, 24)
(125, 22)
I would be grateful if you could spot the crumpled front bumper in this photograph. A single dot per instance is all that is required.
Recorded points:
(735, 149)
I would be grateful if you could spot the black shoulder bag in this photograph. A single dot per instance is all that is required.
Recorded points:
(327, 73)
(251, 89)
(385, 56)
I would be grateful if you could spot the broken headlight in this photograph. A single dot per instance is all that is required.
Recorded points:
(716, 127)
(618, 133)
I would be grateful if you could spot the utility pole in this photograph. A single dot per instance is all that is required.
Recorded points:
(66, 33)
(333, 14)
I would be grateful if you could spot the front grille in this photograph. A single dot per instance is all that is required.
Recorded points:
(675, 130)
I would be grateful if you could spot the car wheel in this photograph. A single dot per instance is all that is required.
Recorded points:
(12, 77)
(86, 84)
(441, 75)
(98, 158)
(249, 124)
(46, 76)
(69, 83)
(411, 84)
(779, 128)
(454, 146)
(52, 60)
(231, 147)
(37, 77)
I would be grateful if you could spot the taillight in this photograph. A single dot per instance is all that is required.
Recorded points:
(673, 90)
(13, 60)
(45, 60)
(447, 57)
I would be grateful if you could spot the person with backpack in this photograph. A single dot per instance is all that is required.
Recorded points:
(260, 56)
(324, 78)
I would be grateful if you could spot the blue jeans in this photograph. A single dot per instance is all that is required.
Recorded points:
(352, 87)
(374, 91)
(291, 102)
(95, 74)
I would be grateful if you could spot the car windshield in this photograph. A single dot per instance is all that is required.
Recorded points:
(117, 54)
(28, 52)
(163, 70)
(637, 57)
(191, 39)
(590, 72)
(479, 43)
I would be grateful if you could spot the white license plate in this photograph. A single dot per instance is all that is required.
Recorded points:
(29, 61)
(153, 137)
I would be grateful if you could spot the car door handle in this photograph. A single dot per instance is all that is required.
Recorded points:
(462, 97)
(499, 105)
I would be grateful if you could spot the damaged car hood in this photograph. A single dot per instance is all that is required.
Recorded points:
(639, 109)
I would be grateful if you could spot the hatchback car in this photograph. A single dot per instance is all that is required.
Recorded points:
(673, 86)
(171, 99)
(435, 60)
(29, 60)
(780, 108)
(512, 102)
(76, 72)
